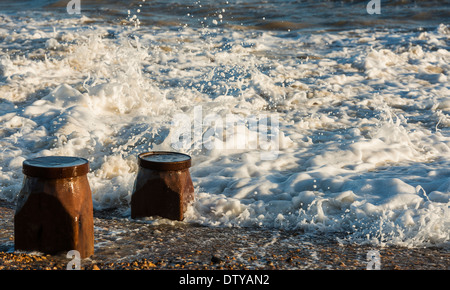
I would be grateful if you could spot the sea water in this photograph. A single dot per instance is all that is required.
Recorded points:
(354, 108)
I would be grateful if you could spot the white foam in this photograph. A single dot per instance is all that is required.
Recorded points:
(364, 139)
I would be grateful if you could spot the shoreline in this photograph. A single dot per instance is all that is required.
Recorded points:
(121, 244)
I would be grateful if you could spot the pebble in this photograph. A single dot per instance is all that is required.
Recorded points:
(190, 247)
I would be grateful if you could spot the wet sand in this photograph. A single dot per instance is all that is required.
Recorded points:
(124, 244)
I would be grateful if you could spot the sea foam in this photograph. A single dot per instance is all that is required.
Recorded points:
(363, 133)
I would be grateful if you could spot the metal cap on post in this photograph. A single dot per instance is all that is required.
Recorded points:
(55, 167)
(165, 160)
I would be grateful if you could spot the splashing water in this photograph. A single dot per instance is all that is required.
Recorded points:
(363, 134)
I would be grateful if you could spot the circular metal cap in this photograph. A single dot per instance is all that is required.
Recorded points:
(55, 167)
(164, 160)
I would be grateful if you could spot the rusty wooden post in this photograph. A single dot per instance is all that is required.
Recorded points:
(54, 212)
(163, 185)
